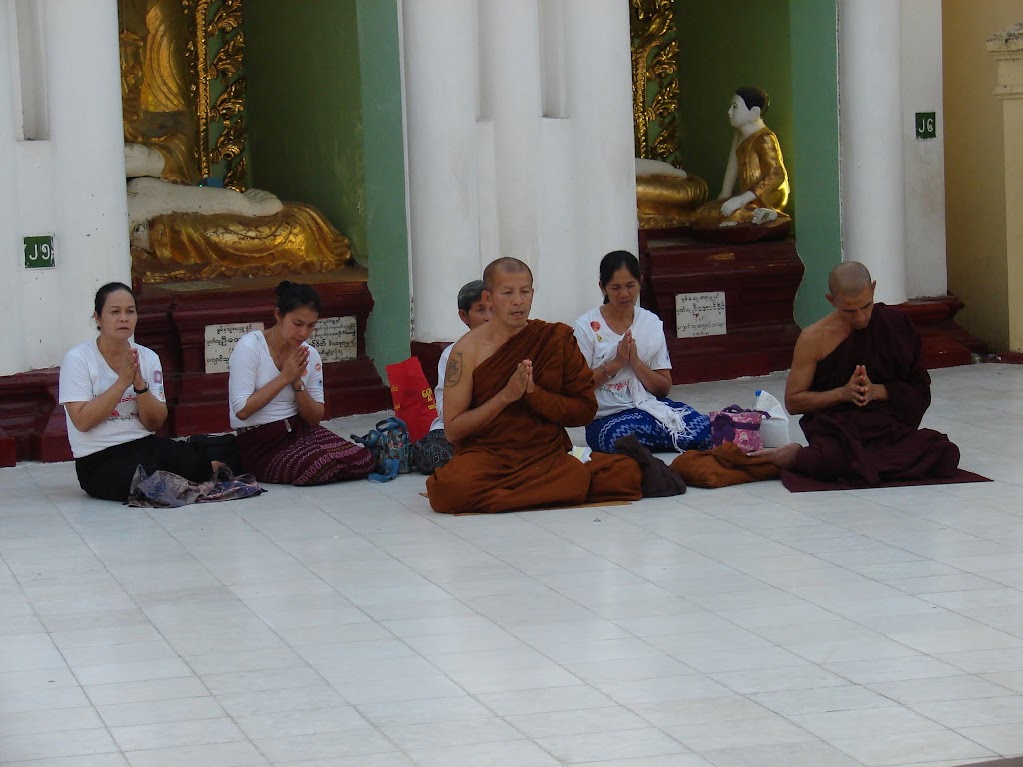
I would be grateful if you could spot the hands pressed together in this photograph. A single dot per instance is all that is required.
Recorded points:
(860, 390)
(521, 381)
(131, 372)
(294, 366)
(626, 351)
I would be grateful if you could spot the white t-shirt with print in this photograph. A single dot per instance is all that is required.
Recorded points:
(252, 367)
(599, 344)
(438, 390)
(84, 375)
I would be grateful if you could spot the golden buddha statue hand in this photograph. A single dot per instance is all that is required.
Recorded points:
(756, 187)
(666, 196)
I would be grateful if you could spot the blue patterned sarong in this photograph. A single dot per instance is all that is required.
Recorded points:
(602, 433)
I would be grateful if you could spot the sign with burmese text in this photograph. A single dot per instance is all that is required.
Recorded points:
(336, 339)
(221, 340)
(700, 314)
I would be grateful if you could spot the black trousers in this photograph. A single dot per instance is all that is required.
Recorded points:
(108, 473)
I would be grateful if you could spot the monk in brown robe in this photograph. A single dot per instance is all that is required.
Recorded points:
(857, 375)
(511, 387)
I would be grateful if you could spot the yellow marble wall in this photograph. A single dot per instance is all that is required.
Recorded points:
(975, 218)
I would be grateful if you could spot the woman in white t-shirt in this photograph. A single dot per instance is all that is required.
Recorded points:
(625, 346)
(276, 399)
(112, 393)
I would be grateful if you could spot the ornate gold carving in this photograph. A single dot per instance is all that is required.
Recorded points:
(215, 54)
(654, 69)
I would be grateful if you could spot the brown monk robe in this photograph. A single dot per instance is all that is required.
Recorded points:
(520, 460)
(858, 376)
(511, 387)
(880, 441)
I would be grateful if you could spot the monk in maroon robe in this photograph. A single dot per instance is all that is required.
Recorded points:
(510, 389)
(858, 377)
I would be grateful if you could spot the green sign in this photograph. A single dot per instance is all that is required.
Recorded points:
(926, 126)
(39, 252)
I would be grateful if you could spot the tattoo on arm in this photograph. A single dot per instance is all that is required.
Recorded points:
(453, 372)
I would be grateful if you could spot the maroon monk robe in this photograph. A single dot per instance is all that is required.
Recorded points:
(881, 441)
(520, 459)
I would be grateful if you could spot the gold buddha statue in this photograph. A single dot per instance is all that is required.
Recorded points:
(755, 164)
(180, 231)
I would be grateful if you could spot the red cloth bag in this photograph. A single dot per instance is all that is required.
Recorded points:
(412, 397)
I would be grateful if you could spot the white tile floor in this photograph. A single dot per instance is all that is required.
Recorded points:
(349, 625)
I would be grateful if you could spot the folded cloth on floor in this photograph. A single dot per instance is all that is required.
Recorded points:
(722, 466)
(659, 481)
(164, 490)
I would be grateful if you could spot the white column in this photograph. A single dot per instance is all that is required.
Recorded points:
(540, 169)
(873, 176)
(440, 85)
(68, 182)
(598, 56)
(923, 159)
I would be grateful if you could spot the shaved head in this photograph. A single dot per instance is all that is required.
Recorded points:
(848, 279)
(508, 265)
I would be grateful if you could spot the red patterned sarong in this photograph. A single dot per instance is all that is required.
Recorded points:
(291, 452)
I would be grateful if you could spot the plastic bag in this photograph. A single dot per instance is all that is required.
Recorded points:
(774, 430)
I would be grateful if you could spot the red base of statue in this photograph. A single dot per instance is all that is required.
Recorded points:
(429, 357)
(945, 344)
(32, 425)
(172, 323)
(759, 283)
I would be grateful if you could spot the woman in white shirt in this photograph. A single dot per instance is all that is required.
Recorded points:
(112, 393)
(276, 398)
(625, 346)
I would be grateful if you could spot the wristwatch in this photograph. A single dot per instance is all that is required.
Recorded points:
(143, 390)
(300, 387)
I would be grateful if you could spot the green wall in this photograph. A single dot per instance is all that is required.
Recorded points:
(814, 167)
(304, 110)
(713, 62)
(788, 48)
(384, 160)
(325, 127)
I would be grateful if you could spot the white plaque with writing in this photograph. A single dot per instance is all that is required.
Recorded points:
(700, 314)
(336, 339)
(221, 340)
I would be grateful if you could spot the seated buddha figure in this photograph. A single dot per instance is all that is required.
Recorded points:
(179, 230)
(665, 195)
(755, 166)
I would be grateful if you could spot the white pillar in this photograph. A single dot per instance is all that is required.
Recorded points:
(68, 180)
(440, 85)
(873, 176)
(538, 167)
(923, 159)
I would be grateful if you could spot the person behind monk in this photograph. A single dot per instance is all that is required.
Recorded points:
(434, 450)
(858, 376)
(624, 345)
(511, 386)
(276, 398)
(112, 393)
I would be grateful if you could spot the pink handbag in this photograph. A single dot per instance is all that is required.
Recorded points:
(735, 424)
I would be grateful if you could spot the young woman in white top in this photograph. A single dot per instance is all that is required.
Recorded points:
(276, 399)
(112, 393)
(625, 346)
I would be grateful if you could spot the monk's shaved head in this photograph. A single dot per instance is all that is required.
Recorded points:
(848, 279)
(508, 265)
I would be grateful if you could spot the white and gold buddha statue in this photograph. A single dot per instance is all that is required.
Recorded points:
(755, 189)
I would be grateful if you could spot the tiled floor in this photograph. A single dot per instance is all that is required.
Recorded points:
(349, 625)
